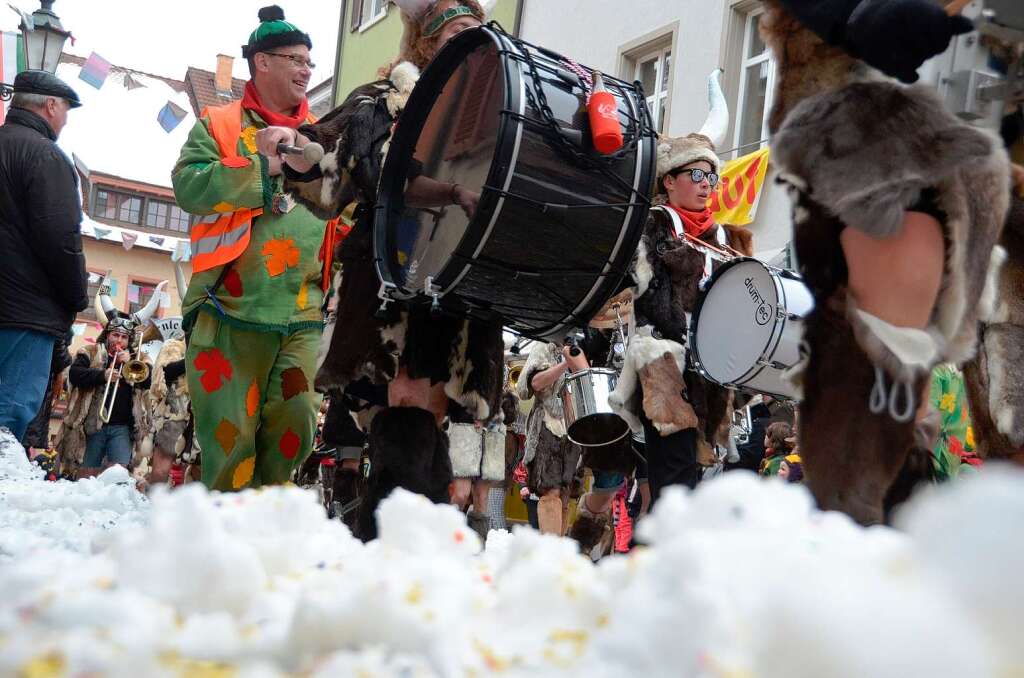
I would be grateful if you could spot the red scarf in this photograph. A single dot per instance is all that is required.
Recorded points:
(695, 223)
(251, 100)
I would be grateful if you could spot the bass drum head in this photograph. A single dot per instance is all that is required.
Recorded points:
(459, 129)
(735, 322)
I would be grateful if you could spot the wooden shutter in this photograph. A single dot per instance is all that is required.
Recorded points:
(357, 15)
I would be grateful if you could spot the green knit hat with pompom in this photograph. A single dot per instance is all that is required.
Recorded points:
(274, 32)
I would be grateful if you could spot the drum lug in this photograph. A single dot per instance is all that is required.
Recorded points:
(774, 364)
(385, 296)
(781, 313)
(434, 292)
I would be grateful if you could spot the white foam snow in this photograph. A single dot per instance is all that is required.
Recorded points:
(743, 578)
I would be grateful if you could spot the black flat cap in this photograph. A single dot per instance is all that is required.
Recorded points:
(45, 83)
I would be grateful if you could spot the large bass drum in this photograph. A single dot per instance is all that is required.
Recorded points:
(557, 222)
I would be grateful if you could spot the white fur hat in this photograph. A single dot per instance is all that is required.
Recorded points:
(679, 151)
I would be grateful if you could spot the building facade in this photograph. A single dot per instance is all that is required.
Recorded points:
(368, 37)
(672, 48)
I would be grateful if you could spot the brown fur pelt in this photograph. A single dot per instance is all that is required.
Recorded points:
(662, 386)
(857, 151)
(994, 379)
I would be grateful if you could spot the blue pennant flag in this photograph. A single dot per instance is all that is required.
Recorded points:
(170, 116)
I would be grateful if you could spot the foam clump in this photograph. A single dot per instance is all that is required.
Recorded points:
(741, 578)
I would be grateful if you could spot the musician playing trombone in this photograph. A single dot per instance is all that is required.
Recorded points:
(107, 382)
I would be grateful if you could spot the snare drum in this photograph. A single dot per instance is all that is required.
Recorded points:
(748, 325)
(589, 419)
(557, 223)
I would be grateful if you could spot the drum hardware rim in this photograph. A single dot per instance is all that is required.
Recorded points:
(628, 431)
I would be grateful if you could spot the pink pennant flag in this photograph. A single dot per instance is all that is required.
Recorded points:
(128, 239)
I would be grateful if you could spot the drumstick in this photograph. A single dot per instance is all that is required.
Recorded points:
(957, 6)
(311, 152)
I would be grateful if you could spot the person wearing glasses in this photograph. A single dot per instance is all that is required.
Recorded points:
(678, 413)
(252, 308)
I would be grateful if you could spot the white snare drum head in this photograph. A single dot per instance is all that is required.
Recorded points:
(737, 320)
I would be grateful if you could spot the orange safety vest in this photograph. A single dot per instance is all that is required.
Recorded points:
(221, 238)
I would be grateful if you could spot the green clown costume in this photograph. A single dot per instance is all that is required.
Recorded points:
(254, 319)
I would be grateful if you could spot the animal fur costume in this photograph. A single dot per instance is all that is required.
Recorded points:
(168, 405)
(550, 457)
(994, 379)
(857, 150)
(82, 419)
(668, 271)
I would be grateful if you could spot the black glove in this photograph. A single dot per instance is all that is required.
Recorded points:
(897, 36)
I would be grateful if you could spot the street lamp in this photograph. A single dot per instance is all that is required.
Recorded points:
(43, 41)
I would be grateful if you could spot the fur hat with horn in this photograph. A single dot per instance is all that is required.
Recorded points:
(424, 19)
(680, 151)
(108, 315)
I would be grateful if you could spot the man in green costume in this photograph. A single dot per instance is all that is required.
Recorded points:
(252, 308)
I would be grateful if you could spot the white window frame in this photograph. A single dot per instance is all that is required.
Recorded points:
(741, 100)
(370, 18)
(654, 99)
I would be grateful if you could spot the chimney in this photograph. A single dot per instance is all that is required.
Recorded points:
(222, 79)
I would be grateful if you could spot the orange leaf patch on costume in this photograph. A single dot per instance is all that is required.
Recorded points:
(215, 367)
(226, 434)
(243, 473)
(289, 444)
(281, 254)
(293, 383)
(252, 399)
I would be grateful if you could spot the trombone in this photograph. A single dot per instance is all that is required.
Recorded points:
(133, 372)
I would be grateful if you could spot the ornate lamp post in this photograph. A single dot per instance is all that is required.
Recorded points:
(43, 42)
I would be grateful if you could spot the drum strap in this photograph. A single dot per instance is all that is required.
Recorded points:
(706, 248)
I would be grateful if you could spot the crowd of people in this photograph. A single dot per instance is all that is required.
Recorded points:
(282, 310)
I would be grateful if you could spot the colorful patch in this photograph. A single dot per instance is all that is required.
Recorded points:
(249, 138)
(223, 207)
(226, 435)
(289, 444)
(233, 283)
(281, 254)
(215, 368)
(235, 163)
(303, 298)
(252, 399)
(293, 383)
(243, 473)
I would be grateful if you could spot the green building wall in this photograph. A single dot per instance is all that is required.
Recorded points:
(361, 54)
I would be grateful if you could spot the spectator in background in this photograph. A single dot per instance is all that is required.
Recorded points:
(777, 445)
(792, 468)
(43, 280)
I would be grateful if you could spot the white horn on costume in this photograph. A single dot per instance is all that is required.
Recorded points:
(415, 8)
(180, 281)
(103, 305)
(142, 316)
(717, 124)
(97, 306)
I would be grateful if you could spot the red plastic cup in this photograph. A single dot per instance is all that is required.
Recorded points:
(603, 110)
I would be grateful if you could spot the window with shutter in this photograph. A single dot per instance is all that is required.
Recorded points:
(357, 15)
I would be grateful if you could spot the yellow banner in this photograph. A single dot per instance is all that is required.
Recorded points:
(734, 200)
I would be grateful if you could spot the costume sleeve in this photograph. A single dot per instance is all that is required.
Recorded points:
(83, 376)
(538, 361)
(204, 184)
(55, 218)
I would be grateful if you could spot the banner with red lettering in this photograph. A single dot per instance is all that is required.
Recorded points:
(734, 200)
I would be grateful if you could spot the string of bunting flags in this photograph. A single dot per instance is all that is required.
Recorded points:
(96, 70)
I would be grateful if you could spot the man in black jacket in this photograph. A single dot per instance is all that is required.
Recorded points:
(43, 279)
(894, 36)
